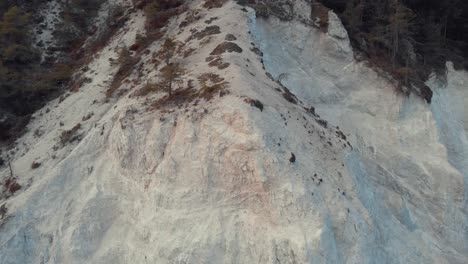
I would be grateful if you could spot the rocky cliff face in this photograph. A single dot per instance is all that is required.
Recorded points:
(275, 147)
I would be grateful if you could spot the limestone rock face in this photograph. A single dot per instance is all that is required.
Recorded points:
(335, 28)
(292, 152)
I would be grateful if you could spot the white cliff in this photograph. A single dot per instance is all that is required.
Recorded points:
(247, 176)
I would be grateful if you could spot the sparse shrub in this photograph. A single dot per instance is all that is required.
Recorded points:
(217, 61)
(158, 12)
(226, 47)
(171, 75)
(71, 135)
(214, 3)
(56, 78)
(126, 64)
(87, 117)
(152, 9)
(61, 74)
(230, 37)
(290, 97)
(210, 84)
(188, 52)
(292, 159)
(168, 48)
(11, 185)
(208, 31)
(78, 82)
(255, 103)
(192, 16)
(141, 41)
(38, 133)
(114, 21)
(178, 98)
(36, 164)
(3, 212)
(148, 88)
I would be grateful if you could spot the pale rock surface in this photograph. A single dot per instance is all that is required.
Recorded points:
(215, 183)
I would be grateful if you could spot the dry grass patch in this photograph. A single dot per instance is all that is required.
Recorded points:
(158, 13)
(211, 83)
(148, 88)
(217, 61)
(192, 16)
(178, 98)
(208, 31)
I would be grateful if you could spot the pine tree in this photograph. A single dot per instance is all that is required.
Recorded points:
(14, 37)
(170, 75)
(169, 47)
(450, 12)
(354, 15)
(16, 52)
(400, 23)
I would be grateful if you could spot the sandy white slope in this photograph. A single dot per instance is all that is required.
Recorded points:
(214, 183)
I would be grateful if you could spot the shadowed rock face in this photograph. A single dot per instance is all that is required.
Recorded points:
(319, 69)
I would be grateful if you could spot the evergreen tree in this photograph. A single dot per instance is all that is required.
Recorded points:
(170, 75)
(354, 14)
(16, 53)
(400, 22)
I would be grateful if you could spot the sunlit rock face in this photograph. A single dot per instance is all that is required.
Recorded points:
(306, 157)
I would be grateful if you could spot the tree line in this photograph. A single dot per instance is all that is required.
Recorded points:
(408, 38)
(27, 81)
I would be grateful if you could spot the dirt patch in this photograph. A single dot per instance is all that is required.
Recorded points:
(319, 14)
